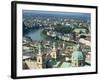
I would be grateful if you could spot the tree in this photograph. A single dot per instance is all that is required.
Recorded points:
(64, 29)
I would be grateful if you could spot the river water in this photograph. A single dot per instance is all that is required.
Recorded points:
(35, 34)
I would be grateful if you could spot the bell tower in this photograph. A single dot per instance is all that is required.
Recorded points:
(40, 57)
(63, 45)
(54, 52)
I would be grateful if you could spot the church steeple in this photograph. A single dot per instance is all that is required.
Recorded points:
(53, 53)
(63, 45)
(54, 47)
(39, 49)
(40, 62)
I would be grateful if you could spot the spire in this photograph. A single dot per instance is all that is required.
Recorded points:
(39, 49)
(54, 47)
(77, 46)
(63, 44)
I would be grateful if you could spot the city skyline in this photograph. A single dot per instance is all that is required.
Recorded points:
(55, 12)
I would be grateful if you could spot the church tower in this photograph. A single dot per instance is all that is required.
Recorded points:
(54, 52)
(77, 57)
(40, 58)
(63, 45)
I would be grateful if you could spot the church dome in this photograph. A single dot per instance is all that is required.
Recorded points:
(77, 55)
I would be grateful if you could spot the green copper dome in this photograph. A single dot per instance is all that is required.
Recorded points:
(77, 55)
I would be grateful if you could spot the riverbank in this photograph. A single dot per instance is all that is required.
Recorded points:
(55, 39)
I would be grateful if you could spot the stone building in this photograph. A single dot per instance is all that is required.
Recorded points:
(77, 57)
(44, 59)
(54, 52)
(40, 58)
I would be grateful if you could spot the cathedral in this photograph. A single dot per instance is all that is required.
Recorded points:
(43, 60)
(77, 57)
(46, 60)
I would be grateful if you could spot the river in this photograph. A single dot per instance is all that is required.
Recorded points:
(35, 34)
